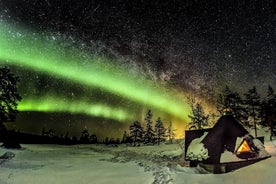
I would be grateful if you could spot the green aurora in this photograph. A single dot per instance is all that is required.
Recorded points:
(51, 56)
(49, 104)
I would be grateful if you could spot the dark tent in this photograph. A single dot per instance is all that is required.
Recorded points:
(223, 136)
(226, 135)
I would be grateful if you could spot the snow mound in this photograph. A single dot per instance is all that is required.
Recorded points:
(262, 152)
(196, 150)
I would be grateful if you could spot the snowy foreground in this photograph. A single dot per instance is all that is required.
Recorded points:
(85, 164)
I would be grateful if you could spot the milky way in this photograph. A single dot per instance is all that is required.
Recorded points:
(111, 49)
(32, 51)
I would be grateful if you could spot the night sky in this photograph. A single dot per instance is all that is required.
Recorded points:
(102, 64)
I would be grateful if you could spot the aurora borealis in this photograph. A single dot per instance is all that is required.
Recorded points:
(45, 57)
(34, 52)
(112, 61)
(100, 75)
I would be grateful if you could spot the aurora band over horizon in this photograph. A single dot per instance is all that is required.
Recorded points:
(34, 51)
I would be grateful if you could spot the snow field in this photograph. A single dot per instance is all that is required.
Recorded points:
(85, 164)
(41, 164)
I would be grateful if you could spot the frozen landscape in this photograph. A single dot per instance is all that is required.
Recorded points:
(77, 78)
(57, 164)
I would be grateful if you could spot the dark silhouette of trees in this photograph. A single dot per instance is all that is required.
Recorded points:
(230, 102)
(253, 106)
(149, 133)
(271, 96)
(269, 108)
(93, 139)
(111, 141)
(106, 141)
(250, 108)
(198, 117)
(136, 132)
(160, 131)
(50, 133)
(126, 138)
(9, 98)
(74, 140)
(84, 138)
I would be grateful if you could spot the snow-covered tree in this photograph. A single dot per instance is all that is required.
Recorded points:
(136, 132)
(160, 131)
(170, 132)
(149, 133)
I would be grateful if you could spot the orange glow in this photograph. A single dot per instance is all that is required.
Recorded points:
(244, 147)
(179, 128)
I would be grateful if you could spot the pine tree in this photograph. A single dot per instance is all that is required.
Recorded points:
(136, 132)
(84, 139)
(126, 138)
(230, 102)
(271, 98)
(269, 107)
(9, 96)
(160, 131)
(253, 106)
(170, 132)
(149, 133)
(198, 117)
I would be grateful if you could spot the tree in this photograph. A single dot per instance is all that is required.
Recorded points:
(170, 132)
(269, 107)
(253, 106)
(149, 133)
(231, 102)
(126, 138)
(198, 117)
(85, 137)
(9, 97)
(160, 131)
(51, 133)
(93, 139)
(136, 132)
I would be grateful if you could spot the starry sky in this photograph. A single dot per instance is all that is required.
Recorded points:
(101, 65)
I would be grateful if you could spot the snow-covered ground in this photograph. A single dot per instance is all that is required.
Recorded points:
(56, 164)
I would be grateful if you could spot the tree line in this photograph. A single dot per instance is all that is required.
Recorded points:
(136, 135)
(250, 109)
(150, 134)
